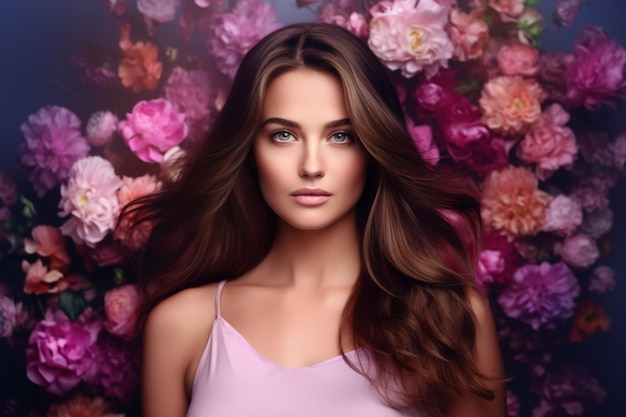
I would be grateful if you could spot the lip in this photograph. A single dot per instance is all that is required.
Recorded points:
(310, 192)
(311, 196)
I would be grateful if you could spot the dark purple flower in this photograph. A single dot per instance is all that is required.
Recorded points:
(8, 316)
(8, 190)
(118, 368)
(565, 12)
(95, 69)
(528, 347)
(512, 404)
(591, 193)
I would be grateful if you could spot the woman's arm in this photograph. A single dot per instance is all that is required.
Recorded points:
(488, 361)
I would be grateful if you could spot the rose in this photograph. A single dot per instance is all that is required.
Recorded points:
(519, 59)
(120, 306)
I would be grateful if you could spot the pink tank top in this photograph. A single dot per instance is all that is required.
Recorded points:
(234, 380)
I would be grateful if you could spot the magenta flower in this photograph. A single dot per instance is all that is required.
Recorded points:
(539, 294)
(422, 136)
(239, 31)
(118, 368)
(512, 404)
(61, 353)
(490, 263)
(53, 143)
(529, 347)
(595, 70)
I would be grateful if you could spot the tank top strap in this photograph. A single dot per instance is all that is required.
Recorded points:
(218, 293)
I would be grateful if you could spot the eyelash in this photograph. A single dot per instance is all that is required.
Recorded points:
(349, 135)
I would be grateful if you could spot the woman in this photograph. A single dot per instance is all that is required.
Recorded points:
(349, 259)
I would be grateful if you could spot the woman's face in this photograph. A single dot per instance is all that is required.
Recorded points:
(310, 166)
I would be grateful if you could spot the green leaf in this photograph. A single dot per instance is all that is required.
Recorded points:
(531, 3)
(118, 276)
(71, 303)
(29, 208)
(467, 87)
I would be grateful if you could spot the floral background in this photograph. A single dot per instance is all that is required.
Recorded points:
(100, 96)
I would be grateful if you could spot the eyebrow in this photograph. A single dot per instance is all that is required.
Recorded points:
(290, 123)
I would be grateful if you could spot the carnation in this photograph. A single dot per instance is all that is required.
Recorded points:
(540, 294)
(53, 143)
(89, 198)
(100, 128)
(564, 216)
(602, 280)
(410, 38)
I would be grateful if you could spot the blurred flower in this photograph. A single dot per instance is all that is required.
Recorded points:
(519, 59)
(507, 252)
(571, 391)
(8, 190)
(8, 316)
(512, 404)
(118, 368)
(41, 280)
(528, 346)
(82, 406)
(89, 197)
(422, 136)
(239, 31)
(564, 216)
(410, 37)
(539, 294)
(93, 61)
(602, 280)
(108, 253)
(511, 105)
(591, 193)
(530, 26)
(172, 163)
(595, 70)
(159, 10)
(565, 12)
(134, 235)
(48, 242)
(120, 305)
(579, 251)
(138, 68)
(152, 128)
(354, 22)
(61, 353)
(468, 33)
(589, 318)
(117, 7)
(100, 128)
(509, 9)
(490, 262)
(512, 204)
(598, 222)
(53, 143)
(619, 151)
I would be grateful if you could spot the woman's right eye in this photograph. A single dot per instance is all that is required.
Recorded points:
(282, 136)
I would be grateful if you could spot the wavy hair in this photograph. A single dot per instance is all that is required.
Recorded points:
(419, 228)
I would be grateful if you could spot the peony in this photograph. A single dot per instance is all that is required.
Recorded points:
(82, 406)
(579, 251)
(61, 353)
(512, 204)
(48, 242)
(519, 59)
(100, 128)
(159, 10)
(41, 280)
(589, 318)
(354, 22)
(564, 216)
(239, 31)
(565, 12)
(468, 33)
(409, 37)
(422, 136)
(598, 222)
(138, 68)
(595, 70)
(8, 190)
(191, 94)
(591, 193)
(53, 143)
(539, 294)
(152, 128)
(118, 366)
(511, 105)
(89, 197)
(120, 306)
(509, 9)
(602, 280)
(8, 316)
(549, 144)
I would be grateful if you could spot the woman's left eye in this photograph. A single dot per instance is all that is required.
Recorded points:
(342, 137)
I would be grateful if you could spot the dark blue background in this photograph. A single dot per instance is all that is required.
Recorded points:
(37, 37)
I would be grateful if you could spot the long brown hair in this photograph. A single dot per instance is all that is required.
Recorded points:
(410, 307)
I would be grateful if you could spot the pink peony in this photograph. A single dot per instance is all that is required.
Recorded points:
(100, 128)
(597, 223)
(152, 128)
(410, 37)
(602, 280)
(591, 193)
(579, 251)
(90, 198)
(469, 35)
(434, 99)
(8, 316)
(239, 31)
(41, 280)
(422, 136)
(354, 22)
(8, 190)
(509, 9)
(565, 12)
(564, 216)
(120, 305)
(539, 294)
(595, 70)
(48, 242)
(53, 143)
(159, 10)
(490, 263)
(192, 94)
(549, 144)
(132, 189)
(519, 59)
(61, 353)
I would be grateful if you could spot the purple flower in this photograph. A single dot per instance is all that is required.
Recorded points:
(564, 215)
(539, 294)
(528, 347)
(239, 31)
(8, 190)
(61, 353)
(53, 143)
(8, 316)
(512, 404)
(595, 70)
(579, 251)
(565, 12)
(158, 10)
(118, 366)
(572, 390)
(598, 222)
(95, 68)
(591, 193)
(602, 280)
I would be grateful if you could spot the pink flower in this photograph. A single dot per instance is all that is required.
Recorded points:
(507, 252)
(159, 10)
(565, 12)
(564, 216)
(598, 222)
(579, 251)
(90, 198)
(591, 193)
(354, 22)
(8, 316)
(118, 368)
(549, 144)
(540, 294)
(602, 280)
(490, 263)
(528, 346)
(358, 25)
(48, 242)
(519, 59)
(509, 9)
(192, 94)
(436, 97)
(595, 70)
(61, 353)
(240, 30)
(8, 190)
(100, 128)
(409, 37)
(40, 280)
(53, 143)
(512, 405)
(469, 35)
(619, 151)
(422, 136)
(511, 105)
(132, 189)
(120, 305)
(152, 128)
(108, 253)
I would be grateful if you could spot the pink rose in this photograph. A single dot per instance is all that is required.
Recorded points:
(100, 128)
(564, 216)
(578, 251)
(469, 35)
(602, 280)
(519, 59)
(159, 10)
(152, 128)
(422, 136)
(120, 306)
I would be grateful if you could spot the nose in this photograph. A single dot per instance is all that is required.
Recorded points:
(312, 164)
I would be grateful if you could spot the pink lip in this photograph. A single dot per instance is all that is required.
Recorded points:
(311, 196)
(310, 192)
